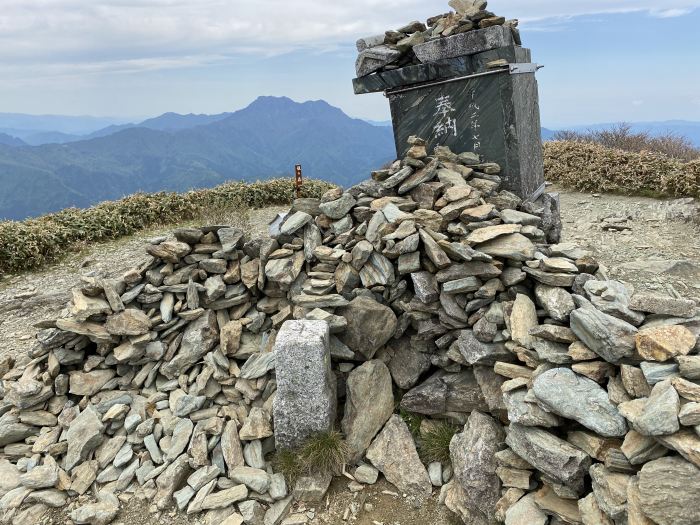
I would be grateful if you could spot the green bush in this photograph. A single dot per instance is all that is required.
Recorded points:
(31, 243)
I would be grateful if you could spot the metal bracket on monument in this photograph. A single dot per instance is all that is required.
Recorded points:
(513, 69)
(519, 69)
(537, 193)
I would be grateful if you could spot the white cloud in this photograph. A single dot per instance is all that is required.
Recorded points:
(670, 13)
(59, 37)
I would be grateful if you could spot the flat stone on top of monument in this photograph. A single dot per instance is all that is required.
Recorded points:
(462, 44)
(371, 60)
(305, 403)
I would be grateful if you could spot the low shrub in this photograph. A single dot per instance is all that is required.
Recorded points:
(621, 136)
(32, 243)
(587, 166)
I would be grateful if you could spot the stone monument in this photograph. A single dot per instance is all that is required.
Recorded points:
(472, 91)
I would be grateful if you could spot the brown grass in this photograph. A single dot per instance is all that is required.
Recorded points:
(622, 137)
(587, 166)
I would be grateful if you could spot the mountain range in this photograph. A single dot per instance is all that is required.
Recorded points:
(57, 162)
(181, 152)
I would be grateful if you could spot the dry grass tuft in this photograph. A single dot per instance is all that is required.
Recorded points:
(435, 443)
(323, 453)
(288, 463)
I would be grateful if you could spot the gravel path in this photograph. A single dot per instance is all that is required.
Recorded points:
(657, 249)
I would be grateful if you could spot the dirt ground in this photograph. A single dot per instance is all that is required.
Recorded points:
(657, 248)
(651, 244)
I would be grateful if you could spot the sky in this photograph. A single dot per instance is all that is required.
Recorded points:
(605, 60)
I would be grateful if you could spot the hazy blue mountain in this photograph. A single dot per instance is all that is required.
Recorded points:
(262, 140)
(72, 125)
(379, 122)
(50, 137)
(548, 134)
(165, 122)
(9, 140)
(176, 122)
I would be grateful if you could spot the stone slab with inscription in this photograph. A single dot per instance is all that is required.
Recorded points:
(496, 115)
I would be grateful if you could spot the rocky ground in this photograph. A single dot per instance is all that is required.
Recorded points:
(652, 244)
(655, 248)
(646, 242)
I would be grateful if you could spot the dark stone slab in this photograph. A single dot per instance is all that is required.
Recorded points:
(464, 44)
(442, 69)
(410, 75)
(495, 115)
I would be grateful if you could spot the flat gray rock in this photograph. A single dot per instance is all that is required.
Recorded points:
(200, 336)
(610, 490)
(370, 325)
(394, 453)
(662, 305)
(659, 416)
(100, 513)
(612, 297)
(469, 43)
(576, 397)
(656, 372)
(611, 338)
(295, 222)
(477, 353)
(375, 58)
(526, 512)
(527, 413)
(84, 435)
(258, 365)
(407, 365)
(515, 247)
(445, 392)
(549, 454)
(670, 491)
(337, 209)
(369, 404)
(556, 301)
(425, 286)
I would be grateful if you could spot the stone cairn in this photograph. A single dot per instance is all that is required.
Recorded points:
(406, 45)
(425, 290)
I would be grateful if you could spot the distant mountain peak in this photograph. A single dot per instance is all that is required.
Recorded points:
(284, 105)
(9, 140)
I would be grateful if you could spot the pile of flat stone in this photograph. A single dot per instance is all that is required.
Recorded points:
(426, 290)
(415, 43)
